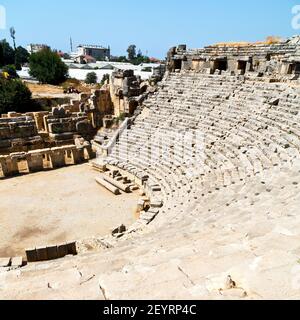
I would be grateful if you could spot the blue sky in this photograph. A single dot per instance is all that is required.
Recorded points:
(154, 26)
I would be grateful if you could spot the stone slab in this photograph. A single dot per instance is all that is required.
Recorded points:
(5, 262)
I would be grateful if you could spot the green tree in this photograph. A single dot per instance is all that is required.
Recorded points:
(104, 78)
(14, 96)
(131, 52)
(22, 55)
(121, 59)
(140, 59)
(91, 78)
(47, 67)
(7, 54)
(13, 36)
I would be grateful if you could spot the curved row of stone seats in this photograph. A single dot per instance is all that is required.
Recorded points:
(249, 160)
(249, 231)
(39, 160)
(243, 131)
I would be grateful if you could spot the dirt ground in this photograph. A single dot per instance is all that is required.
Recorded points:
(37, 89)
(57, 206)
(47, 90)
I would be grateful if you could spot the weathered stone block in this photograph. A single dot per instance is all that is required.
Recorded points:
(83, 127)
(42, 254)
(52, 252)
(35, 161)
(71, 248)
(62, 251)
(78, 155)
(57, 156)
(16, 262)
(5, 262)
(31, 255)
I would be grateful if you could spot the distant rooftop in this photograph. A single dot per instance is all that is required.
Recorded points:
(38, 45)
(91, 46)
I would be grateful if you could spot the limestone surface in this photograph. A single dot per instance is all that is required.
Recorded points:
(215, 153)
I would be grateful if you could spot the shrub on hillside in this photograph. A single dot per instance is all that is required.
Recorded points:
(104, 79)
(91, 78)
(7, 54)
(14, 96)
(11, 70)
(47, 67)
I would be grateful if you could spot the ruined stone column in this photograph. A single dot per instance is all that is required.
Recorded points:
(108, 186)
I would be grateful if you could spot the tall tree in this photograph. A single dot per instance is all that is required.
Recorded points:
(47, 67)
(131, 52)
(22, 55)
(13, 36)
(140, 53)
(7, 54)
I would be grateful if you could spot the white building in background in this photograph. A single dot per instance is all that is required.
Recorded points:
(34, 47)
(97, 52)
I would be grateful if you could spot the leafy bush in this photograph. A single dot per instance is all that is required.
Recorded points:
(14, 96)
(22, 55)
(91, 78)
(47, 67)
(7, 54)
(11, 70)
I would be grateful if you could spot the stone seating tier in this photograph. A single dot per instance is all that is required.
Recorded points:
(233, 207)
(243, 132)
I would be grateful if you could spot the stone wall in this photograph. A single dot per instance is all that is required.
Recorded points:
(100, 105)
(62, 125)
(38, 130)
(44, 159)
(277, 59)
(124, 90)
(18, 133)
